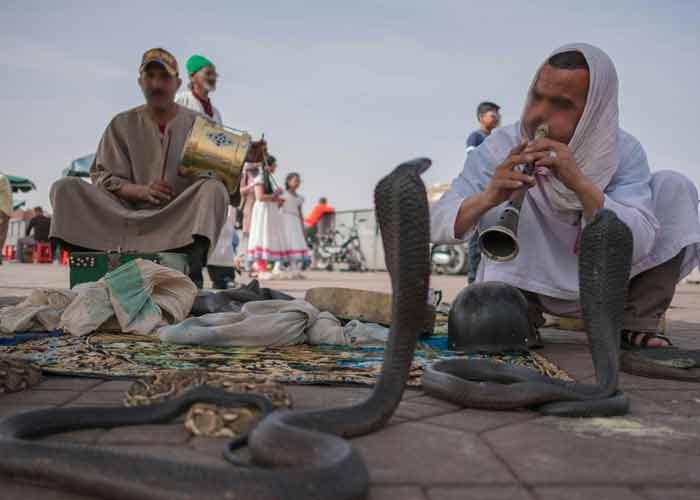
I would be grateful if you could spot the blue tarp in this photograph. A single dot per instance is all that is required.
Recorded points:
(18, 338)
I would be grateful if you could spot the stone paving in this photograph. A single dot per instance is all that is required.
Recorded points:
(433, 450)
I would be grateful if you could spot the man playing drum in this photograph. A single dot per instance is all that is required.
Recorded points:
(202, 74)
(137, 201)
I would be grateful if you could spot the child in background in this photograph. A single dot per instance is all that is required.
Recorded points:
(266, 242)
(297, 252)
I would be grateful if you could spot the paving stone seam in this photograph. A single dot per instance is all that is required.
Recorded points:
(77, 396)
(642, 493)
(62, 389)
(622, 483)
(432, 415)
(445, 426)
(534, 416)
(440, 484)
(498, 456)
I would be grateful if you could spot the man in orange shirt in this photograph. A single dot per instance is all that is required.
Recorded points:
(311, 222)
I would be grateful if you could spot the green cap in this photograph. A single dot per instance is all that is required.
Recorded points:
(196, 62)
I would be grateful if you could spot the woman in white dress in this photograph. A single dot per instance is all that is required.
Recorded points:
(266, 242)
(297, 251)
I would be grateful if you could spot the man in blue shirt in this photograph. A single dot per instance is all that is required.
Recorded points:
(489, 118)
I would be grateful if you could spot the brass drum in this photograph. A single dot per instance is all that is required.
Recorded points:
(215, 151)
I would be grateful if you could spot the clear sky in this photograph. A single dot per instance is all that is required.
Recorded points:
(344, 90)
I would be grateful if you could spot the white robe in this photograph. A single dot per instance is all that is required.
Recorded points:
(659, 208)
(222, 255)
(187, 99)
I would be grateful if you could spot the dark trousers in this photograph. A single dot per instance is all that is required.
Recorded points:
(197, 252)
(648, 297)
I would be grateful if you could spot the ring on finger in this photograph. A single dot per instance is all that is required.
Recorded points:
(553, 155)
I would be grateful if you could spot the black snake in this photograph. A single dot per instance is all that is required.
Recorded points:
(300, 454)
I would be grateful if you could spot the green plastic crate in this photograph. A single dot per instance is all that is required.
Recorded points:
(86, 267)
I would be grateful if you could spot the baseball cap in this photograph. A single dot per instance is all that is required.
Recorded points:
(161, 56)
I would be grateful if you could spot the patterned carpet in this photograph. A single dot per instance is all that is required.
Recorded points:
(131, 356)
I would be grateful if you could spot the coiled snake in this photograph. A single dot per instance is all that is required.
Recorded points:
(311, 460)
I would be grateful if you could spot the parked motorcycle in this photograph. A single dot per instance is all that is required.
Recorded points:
(331, 248)
(450, 259)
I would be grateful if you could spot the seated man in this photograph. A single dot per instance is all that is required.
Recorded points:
(587, 163)
(138, 201)
(39, 227)
(40, 224)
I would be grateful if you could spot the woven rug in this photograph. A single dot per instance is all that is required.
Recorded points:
(131, 356)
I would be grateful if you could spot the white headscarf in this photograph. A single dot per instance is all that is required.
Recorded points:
(594, 144)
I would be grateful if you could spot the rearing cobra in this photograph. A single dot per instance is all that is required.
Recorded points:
(302, 454)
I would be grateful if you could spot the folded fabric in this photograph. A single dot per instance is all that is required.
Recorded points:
(39, 312)
(271, 323)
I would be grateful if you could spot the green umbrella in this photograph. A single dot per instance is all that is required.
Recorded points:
(20, 184)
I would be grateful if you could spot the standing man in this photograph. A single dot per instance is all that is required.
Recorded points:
(5, 209)
(488, 114)
(587, 163)
(202, 74)
(319, 210)
(316, 225)
(489, 117)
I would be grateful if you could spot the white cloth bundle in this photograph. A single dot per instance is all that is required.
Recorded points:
(272, 323)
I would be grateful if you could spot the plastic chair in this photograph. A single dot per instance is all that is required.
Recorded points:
(42, 253)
